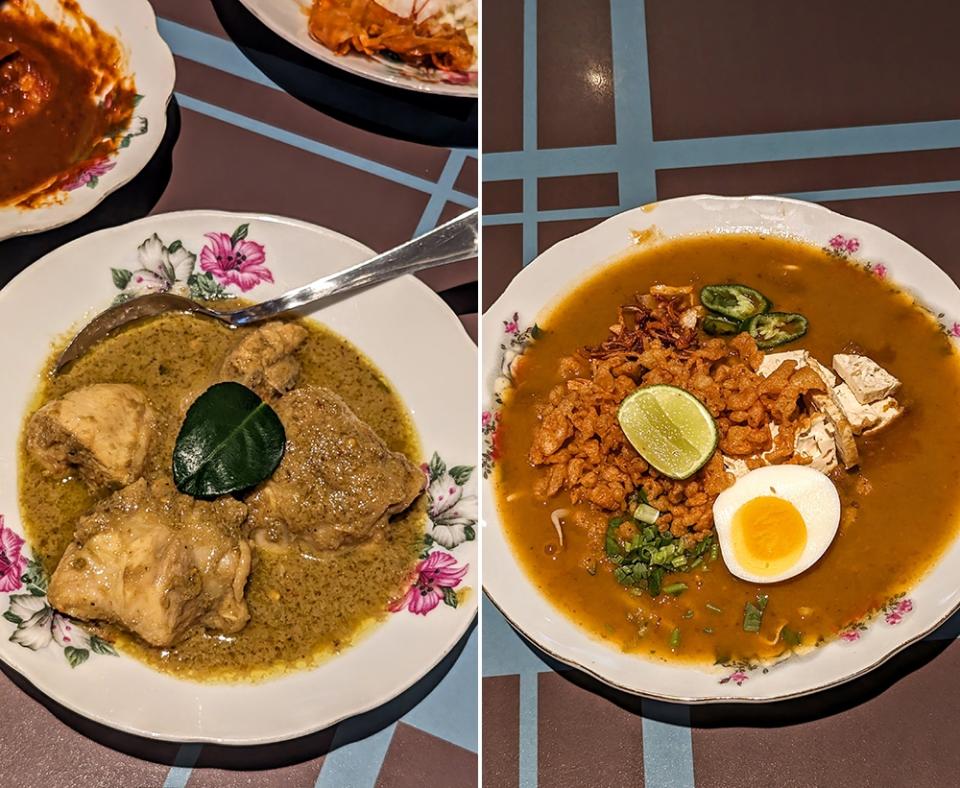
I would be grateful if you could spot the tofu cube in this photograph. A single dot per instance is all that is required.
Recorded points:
(868, 381)
(865, 418)
(818, 442)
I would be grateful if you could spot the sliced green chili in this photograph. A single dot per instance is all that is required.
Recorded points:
(738, 302)
(717, 326)
(776, 328)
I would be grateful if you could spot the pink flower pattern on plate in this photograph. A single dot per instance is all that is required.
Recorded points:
(737, 677)
(880, 271)
(842, 246)
(895, 615)
(434, 575)
(89, 175)
(234, 260)
(955, 330)
(12, 559)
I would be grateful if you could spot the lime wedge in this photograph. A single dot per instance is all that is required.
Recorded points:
(671, 429)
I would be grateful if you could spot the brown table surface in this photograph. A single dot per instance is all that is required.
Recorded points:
(374, 163)
(595, 106)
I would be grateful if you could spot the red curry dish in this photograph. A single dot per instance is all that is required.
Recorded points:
(64, 99)
(368, 27)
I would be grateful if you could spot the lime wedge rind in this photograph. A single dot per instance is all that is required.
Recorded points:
(670, 428)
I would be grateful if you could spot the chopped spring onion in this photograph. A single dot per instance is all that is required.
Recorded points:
(645, 513)
(708, 630)
(675, 589)
(556, 517)
(675, 638)
(643, 555)
(713, 608)
(688, 614)
(791, 637)
(753, 614)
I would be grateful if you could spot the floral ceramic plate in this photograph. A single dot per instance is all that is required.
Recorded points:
(150, 62)
(401, 325)
(288, 19)
(509, 327)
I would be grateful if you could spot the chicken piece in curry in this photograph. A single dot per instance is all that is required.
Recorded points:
(100, 432)
(338, 483)
(233, 586)
(157, 563)
(265, 360)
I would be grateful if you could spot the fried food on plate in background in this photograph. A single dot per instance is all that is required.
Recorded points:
(415, 32)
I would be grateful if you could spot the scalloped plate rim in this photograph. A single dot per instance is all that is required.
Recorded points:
(465, 615)
(76, 206)
(504, 597)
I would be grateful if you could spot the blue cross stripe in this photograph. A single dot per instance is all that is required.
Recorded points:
(635, 158)
(224, 55)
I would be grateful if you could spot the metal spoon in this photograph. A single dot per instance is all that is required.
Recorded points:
(449, 243)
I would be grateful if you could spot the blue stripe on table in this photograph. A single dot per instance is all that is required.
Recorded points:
(505, 653)
(735, 149)
(440, 195)
(224, 55)
(213, 51)
(356, 764)
(322, 149)
(530, 242)
(825, 195)
(182, 768)
(631, 80)
(667, 746)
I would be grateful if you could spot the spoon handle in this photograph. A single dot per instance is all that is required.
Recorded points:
(449, 243)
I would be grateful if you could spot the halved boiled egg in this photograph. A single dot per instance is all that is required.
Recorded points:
(776, 522)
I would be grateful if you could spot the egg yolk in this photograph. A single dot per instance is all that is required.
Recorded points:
(769, 535)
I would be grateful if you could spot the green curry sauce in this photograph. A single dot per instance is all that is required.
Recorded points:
(302, 608)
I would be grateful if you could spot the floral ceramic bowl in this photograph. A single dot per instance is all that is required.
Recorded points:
(288, 19)
(401, 325)
(150, 62)
(509, 328)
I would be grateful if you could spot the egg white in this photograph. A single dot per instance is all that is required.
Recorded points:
(813, 495)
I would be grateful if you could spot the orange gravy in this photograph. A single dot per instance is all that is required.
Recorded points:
(888, 537)
(64, 101)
